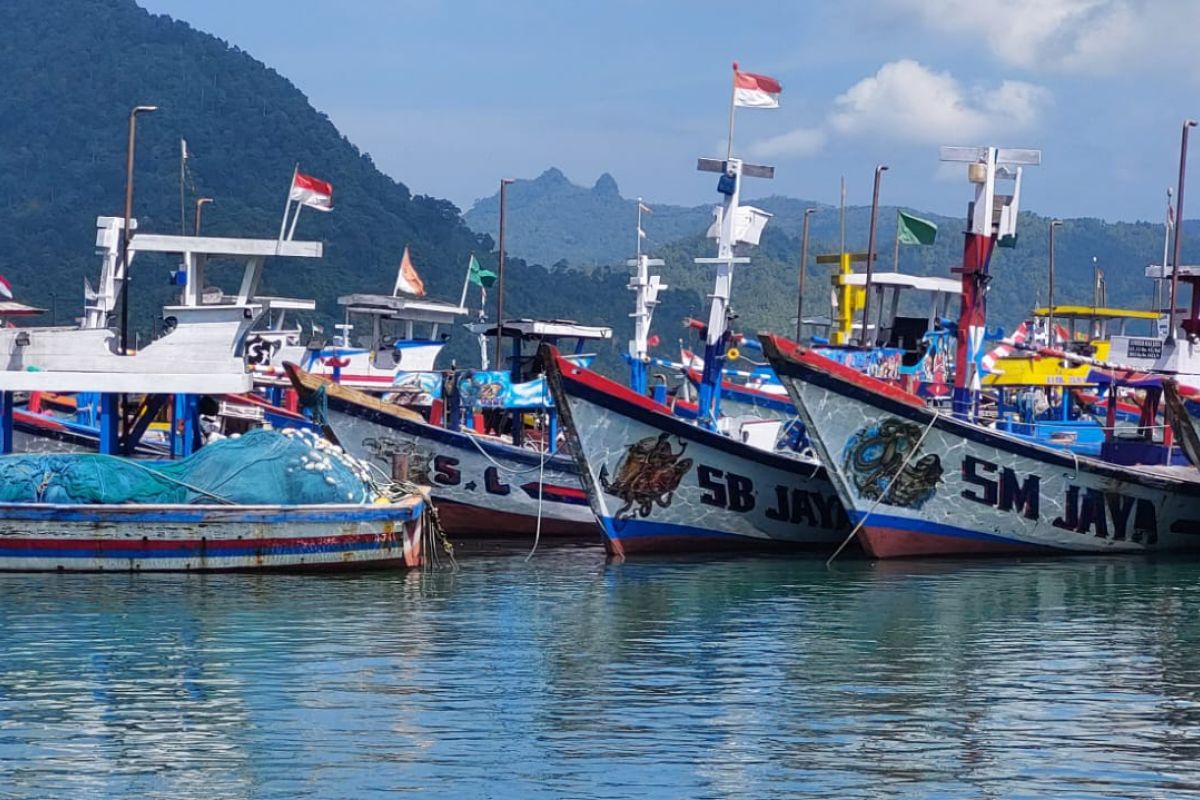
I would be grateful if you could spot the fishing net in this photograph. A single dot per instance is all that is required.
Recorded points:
(262, 467)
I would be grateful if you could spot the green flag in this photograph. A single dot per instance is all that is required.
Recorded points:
(480, 276)
(914, 230)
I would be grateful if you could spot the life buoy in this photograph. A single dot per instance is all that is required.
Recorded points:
(733, 354)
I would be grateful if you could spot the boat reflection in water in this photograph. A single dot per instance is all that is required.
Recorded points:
(749, 676)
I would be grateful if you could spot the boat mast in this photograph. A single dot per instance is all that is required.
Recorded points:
(990, 218)
(646, 288)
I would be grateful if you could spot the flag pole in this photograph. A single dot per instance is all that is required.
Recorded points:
(1158, 284)
(842, 218)
(483, 346)
(462, 303)
(639, 230)
(182, 201)
(732, 110)
(896, 253)
(288, 205)
(295, 217)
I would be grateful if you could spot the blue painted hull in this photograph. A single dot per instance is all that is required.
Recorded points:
(195, 538)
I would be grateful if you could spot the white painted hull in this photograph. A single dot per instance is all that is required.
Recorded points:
(481, 486)
(969, 490)
(658, 483)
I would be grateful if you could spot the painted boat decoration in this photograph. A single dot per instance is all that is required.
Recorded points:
(482, 485)
(919, 482)
(657, 483)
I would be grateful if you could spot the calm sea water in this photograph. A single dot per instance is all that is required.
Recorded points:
(567, 677)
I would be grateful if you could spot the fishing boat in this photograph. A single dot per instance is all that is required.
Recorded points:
(490, 468)
(659, 483)
(91, 513)
(917, 481)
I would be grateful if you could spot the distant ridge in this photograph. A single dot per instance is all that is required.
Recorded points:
(552, 219)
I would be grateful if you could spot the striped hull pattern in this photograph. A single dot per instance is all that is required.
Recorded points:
(192, 538)
(491, 486)
(922, 483)
(659, 484)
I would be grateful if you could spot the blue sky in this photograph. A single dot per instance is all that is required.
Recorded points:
(451, 96)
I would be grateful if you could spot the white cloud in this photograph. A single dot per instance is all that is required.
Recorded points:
(908, 101)
(800, 142)
(1088, 36)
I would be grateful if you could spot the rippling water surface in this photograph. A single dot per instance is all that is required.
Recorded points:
(566, 677)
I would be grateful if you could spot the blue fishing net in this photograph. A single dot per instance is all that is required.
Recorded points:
(262, 467)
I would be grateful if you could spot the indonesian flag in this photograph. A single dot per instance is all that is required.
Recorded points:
(754, 91)
(5, 288)
(407, 279)
(312, 192)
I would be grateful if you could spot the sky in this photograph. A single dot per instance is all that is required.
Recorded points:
(450, 97)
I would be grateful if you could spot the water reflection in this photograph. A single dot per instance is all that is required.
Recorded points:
(567, 677)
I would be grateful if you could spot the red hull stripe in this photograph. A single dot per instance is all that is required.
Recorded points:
(151, 545)
(598, 382)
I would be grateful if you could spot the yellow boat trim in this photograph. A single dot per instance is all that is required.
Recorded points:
(1034, 370)
(1095, 312)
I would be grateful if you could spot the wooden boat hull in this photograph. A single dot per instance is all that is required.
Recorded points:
(922, 483)
(481, 486)
(659, 484)
(43, 537)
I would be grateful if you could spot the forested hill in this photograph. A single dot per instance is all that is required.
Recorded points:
(70, 71)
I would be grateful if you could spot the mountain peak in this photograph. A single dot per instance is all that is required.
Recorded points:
(552, 176)
(606, 185)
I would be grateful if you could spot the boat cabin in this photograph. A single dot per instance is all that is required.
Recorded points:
(896, 323)
(400, 332)
(527, 388)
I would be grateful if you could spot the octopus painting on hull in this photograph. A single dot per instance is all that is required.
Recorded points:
(648, 474)
(880, 463)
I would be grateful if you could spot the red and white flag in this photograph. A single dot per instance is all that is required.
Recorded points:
(754, 91)
(312, 192)
(5, 288)
(407, 279)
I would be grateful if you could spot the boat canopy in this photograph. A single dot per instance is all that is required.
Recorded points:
(1095, 312)
(899, 280)
(402, 308)
(530, 329)
(1099, 322)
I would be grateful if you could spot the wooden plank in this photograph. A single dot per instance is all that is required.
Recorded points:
(306, 383)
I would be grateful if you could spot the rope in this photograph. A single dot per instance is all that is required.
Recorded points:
(887, 489)
(394, 490)
(537, 531)
(501, 467)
